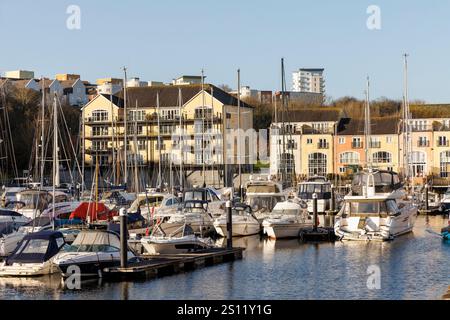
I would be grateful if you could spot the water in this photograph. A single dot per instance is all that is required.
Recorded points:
(414, 266)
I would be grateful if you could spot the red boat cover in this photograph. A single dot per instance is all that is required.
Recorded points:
(96, 211)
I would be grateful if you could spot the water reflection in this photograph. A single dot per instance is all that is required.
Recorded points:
(414, 266)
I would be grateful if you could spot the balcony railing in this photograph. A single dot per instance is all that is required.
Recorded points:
(375, 144)
(441, 143)
(323, 145)
(423, 144)
(357, 145)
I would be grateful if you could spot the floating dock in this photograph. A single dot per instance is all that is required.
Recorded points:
(168, 264)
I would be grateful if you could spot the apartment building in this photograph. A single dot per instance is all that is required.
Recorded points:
(308, 80)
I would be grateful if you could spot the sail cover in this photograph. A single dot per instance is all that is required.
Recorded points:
(37, 247)
(96, 211)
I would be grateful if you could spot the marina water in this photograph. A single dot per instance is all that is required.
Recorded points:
(414, 266)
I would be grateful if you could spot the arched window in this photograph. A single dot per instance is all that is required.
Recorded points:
(418, 161)
(445, 164)
(382, 157)
(317, 164)
(349, 158)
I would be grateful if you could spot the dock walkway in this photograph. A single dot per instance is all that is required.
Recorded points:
(167, 264)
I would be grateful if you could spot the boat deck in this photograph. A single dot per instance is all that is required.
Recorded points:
(167, 264)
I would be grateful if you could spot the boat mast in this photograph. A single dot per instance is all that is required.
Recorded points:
(406, 125)
(239, 131)
(159, 142)
(283, 128)
(136, 150)
(42, 132)
(55, 157)
(367, 126)
(125, 176)
(203, 132)
(180, 106)
(112, 141)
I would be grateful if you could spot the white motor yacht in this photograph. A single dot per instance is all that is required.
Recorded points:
(287, 220)
(376, 209)
(244, 223)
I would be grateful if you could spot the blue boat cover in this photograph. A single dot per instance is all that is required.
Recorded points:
(37, 247)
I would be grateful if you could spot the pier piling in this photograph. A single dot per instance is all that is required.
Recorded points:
(229, 225)
(314, 196)
(123, 239)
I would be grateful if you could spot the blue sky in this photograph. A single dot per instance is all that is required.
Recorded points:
(159, 40)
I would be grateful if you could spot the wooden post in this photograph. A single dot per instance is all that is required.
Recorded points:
(427, 207)
(123, 239)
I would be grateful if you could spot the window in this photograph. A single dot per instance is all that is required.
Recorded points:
(423, 142)
(99, 131)
(341, 140)
(349, 158)
(99, 115)
(99, 145)
(356, 143)
(131, 129)
(309, 141)
(323, 144)
(417, 160)
(136, 115)
(317, 164)
(342, 169)
(382, 157)
(388, 139)
(141, 144)
(375, 142)
(445, 164)
(442, 141)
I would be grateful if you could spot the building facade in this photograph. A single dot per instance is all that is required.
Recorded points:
(308, 80)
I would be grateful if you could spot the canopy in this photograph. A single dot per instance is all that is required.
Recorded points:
(96, 211)
(97, 237)
(37, 247)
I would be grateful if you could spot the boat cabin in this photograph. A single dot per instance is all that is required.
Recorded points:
(384, 181)
(373, 207)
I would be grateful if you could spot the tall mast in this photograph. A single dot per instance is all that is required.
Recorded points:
(367, 125)
(55, 157)
(406, 137)
(203, 132)
(180, 106)
(283, 129)
(136, 151)
(159, 141)
(239, 131)
(112, 141)
(42, 132)
(211, 136)
(125, 141)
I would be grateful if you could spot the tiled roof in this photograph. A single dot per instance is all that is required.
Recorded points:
(311, 115)
(387, 125)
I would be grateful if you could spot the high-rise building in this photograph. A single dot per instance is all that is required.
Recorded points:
(308, 80)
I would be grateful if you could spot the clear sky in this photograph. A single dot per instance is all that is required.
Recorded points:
(160, 40)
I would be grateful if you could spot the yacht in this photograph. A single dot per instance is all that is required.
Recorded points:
(91, 252)
(321, 187)
(216, 204)
(194, 213)
(287, 220)
(181, 240)
(375, 209)
(154, 205)
(262, 195)
(34, 255)
(244, 223)
(445, 202)
(31, 203)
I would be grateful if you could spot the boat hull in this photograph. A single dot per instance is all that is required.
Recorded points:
(172, 247)
(284, 230)
(28, 269)
(238, 229)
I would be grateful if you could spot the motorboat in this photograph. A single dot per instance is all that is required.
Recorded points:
(116, 199)
(154, 205)
(90, 253)
(445, 232)
(34, 255)
(11, 220)
(262, 195)
(287, 220)
(194, 213)
(181, 240)
(31, 203)
(319, 186)
(244, 223)
(375, 209)
(216, 204)
(10, 194)
(445, 202)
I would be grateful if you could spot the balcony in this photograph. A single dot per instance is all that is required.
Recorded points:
(375, 144)
(423, 144)
(442, 143)
(357, 145)
(323, 145)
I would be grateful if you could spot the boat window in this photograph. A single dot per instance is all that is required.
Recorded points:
(193, 195)
(364, 207)
(91, 248)
(285, 211)
(392, 206)
(262, 189)
(60, 242)
(35, 246)
(214, 196)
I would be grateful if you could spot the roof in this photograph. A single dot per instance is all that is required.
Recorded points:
(67, 83)
(387, 125)
(311, 115)
(116, 100)
(47, 82)
(312, 69)
(168, 95)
